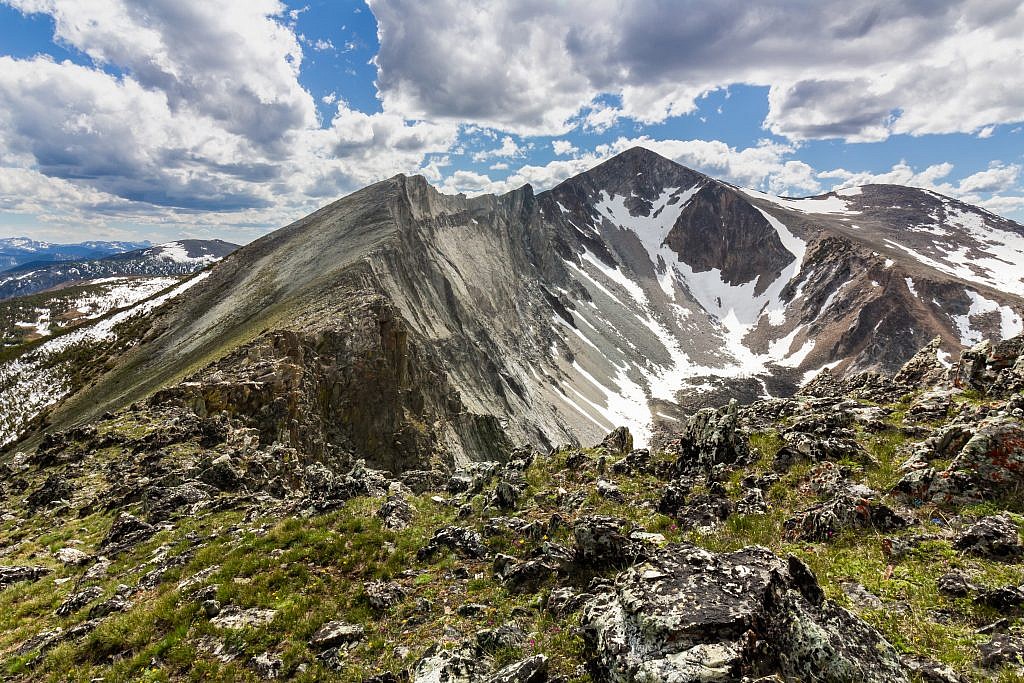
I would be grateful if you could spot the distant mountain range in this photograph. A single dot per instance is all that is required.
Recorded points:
(16, 251)
(173, 258)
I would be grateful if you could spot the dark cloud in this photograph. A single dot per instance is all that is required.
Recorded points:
(532, 69)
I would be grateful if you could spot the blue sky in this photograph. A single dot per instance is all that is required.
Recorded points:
(158, 119)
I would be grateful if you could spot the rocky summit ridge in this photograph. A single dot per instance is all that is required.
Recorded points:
(412, 328)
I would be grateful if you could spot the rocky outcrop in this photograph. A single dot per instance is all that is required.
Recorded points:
(995, 369)
(464, 542)
(126, 531)
(995, 537)
(688, 615)
(710, 439)
(12, 575)
(987, 463)
(366, 387)
(852, 508)
(719, 229)
(618, 442)
(603, 541)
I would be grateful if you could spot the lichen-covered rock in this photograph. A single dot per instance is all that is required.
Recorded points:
(618, 442)
(326, 489)
(1002, 598)
(608, 489)
(11, 575)
(222, 475)
(335, 633)
(462, 541)
(268, 665)
(603, 541)
(705, 512)
(502, 637)
(565, 601)
(506, 495)
(990, 465)
(954, 583)
(79, 600)
(72, 557)
(1002, 650)
(708, 439)
(118, 603)
(848, 510)
(54, 489)
(396, 513)
(383, 595)
(802, 447)
(126, 532)
(163, 502)
(688, 615)
(421, 481)
(522, 577)
(530, 670)
(994, 537)
(234, 617)
(460, 664)
(924, 368)
(995, 369)
(636, 462)
(931, 406)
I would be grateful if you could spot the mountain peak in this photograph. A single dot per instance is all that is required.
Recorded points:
(640, 158)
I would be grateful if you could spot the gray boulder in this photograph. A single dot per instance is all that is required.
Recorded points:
(126, 532)
(458, 664)
(852, 509)
(463, 542)
(530, 670)
(618, 442)
(79, 600)
(709, 439)
(11, 575)
(161, 503)
(383, 595)
(54, 489)
(396, 513)
(994, 537)
(990, 465)
(335, 633)
(688, 615)
(603, 541)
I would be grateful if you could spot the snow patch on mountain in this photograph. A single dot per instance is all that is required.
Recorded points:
(734, 310)
(179, 253)
(1010, 321)
(34, 381)
(829, 204)
(652, 229)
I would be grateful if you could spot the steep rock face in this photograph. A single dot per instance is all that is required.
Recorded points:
(360, 387)
(718, 229)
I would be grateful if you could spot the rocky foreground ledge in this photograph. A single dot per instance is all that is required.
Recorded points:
(867, 530)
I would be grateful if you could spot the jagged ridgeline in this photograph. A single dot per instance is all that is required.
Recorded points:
(412, 328)
(644, 426)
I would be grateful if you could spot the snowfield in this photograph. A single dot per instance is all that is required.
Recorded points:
(34, 381)
(632, 382)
